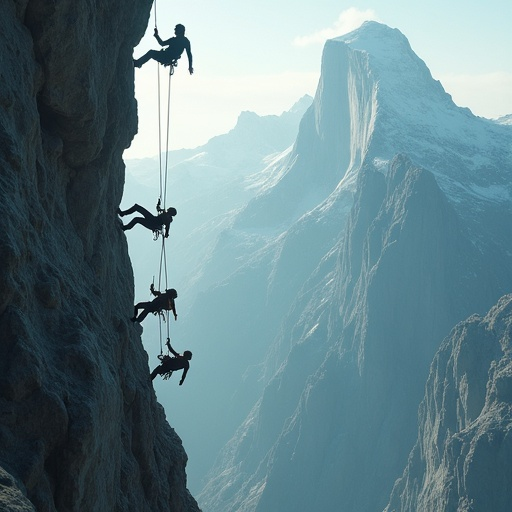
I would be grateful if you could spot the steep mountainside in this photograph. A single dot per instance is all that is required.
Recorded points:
(462, 459)
(386, 224)
(205, 185)
(80, 425)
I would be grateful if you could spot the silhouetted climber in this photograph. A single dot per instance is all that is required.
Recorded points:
(171, 364)
(171, 54)
(150, 221)
(163, 302)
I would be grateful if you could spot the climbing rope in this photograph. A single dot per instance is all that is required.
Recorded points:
(163, 166)
(167, 137)
(163, 197)
(163, 269)
(163, 173)
(159, 130)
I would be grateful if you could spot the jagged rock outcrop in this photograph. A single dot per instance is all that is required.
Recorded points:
(462, 458)
(80, 427)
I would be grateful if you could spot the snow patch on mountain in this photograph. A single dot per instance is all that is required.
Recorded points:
(506, 120)
(415, 116)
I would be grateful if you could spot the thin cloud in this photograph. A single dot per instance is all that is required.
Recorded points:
(348, 20)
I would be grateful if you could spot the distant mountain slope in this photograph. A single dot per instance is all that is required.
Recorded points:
(206, 185)
(462, 459)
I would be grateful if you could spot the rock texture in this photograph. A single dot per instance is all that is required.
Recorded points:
(462, 458)
(80, 426)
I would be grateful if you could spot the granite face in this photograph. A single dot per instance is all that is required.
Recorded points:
(80, 426)
(461, 460)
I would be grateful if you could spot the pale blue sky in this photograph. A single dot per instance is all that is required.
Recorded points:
(263, 56)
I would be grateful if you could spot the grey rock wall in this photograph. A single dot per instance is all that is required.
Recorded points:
(80, 427)
(462, 459)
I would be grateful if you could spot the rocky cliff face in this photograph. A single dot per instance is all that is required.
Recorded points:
(80, 427)
(461, 460)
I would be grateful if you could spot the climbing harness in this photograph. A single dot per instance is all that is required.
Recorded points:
(158, 231)
(173, 64)
(165, 358)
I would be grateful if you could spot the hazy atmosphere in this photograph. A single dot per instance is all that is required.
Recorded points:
(262, 57)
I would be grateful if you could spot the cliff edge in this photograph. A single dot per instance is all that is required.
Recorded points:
(80, 426)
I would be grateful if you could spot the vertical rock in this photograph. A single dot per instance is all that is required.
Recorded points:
(462, 458)
(80, 427)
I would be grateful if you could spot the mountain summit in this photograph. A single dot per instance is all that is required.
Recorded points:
(376, 99)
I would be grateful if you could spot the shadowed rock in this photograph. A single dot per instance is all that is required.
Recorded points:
(80, 427)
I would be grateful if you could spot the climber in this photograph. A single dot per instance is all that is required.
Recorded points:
(163, 302)
(149, 221)
(170, 55)
(171, 364)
